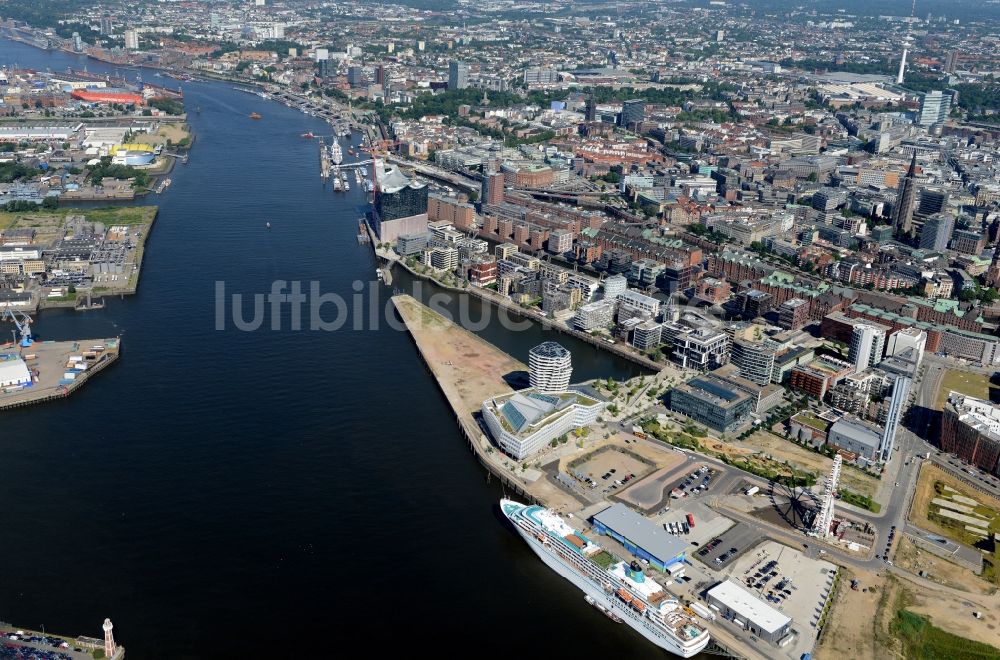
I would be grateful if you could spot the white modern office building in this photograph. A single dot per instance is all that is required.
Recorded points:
(594, 316)
(905, 339)
(867, 342)
(615, 285)
(550, 367)
(524, 422)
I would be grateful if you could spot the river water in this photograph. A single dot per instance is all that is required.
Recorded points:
(226, 493)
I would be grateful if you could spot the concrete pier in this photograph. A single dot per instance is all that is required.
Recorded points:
(58, 368)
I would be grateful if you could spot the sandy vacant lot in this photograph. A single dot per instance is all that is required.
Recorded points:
(851, 631)
(469, 369)
(859, 628)
(909, 556)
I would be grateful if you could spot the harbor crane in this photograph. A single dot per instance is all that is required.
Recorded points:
(22, 325)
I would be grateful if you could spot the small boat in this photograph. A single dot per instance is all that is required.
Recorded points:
(603, 610)
(267, 225)
(308, 136)
(254, 115)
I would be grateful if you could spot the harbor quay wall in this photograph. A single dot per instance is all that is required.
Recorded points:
(477, 441)
(30, 396)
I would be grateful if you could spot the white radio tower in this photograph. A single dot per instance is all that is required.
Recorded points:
(906, 43)
(824, 517)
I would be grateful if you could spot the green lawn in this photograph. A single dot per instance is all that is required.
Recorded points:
(923, 641)
(966, 382)
(809, 419)
(108, 215)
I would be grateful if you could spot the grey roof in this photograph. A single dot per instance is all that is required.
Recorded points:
(641, 531)
(856, 432)
(550, 349)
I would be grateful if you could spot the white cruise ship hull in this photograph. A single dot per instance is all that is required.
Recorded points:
(636, 621)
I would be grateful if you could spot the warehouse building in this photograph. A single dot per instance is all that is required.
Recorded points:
(13, 371)
(640, 536)
(751, 613)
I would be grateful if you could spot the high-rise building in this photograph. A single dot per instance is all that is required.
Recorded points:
(400, 203)
(493, 188)
(951, 61)
(720, 35)
(633, 112)
(106, 27)
(932, 200)
(897, 406)
(867, 343)
(934, 107)
(936, 232)
(355, 75)
(902, 212)
(380, 75)
(591, 112)
(550, 367)
(458, 75)
(131, 40)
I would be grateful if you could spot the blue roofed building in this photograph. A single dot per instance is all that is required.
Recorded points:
(640, 536)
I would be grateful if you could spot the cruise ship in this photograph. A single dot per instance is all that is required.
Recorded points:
(621, 589)
(336, 154)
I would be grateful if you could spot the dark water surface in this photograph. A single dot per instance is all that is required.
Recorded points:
(240, 494)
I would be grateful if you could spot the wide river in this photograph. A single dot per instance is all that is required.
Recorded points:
(282, 493)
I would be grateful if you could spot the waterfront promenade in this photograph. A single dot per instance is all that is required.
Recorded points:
(469, 370)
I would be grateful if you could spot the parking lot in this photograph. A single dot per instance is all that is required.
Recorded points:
(608, 470)
(697, 479)
(722, 550)
(39, 646)
(791, 583)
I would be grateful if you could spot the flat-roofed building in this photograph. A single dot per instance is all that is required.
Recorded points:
(755, 360)
(594, 316)
(711, 401)
(855, 437)
(970, 429)
(646, 335)
(640, 536)
(749, 612)
(818, 376)
(793, 314)
(524, 422)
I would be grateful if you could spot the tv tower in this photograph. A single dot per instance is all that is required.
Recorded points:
(109, 640)
(906, 43)
(824, 517)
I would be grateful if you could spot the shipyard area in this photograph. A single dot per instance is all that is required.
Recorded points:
(71, 257)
